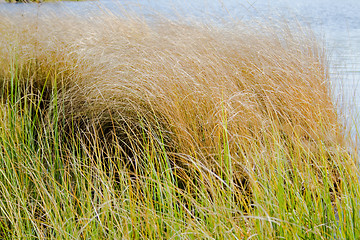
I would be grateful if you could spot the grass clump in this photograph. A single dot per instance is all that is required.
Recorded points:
(120, 127)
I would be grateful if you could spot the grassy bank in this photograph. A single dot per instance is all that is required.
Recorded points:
(125, 128)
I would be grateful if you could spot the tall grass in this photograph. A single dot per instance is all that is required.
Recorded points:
(126, 128)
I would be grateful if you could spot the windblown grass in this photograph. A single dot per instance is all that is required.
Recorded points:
(120, 127)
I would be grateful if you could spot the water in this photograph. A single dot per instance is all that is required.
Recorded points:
(337, 21)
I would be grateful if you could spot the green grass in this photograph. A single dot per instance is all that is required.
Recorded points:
(166, 130)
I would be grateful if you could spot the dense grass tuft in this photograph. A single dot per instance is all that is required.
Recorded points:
(120, 127)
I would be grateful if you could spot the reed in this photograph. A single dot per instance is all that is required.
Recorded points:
(123, 127)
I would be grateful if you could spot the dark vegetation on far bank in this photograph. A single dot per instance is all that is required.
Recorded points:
(36, 1)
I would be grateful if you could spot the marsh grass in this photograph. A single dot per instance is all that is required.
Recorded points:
(125, 128)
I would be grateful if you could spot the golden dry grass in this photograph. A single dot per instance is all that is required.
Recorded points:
(203, 112)
(205, 92)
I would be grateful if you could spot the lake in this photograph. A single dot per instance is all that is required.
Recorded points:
(338, 22)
